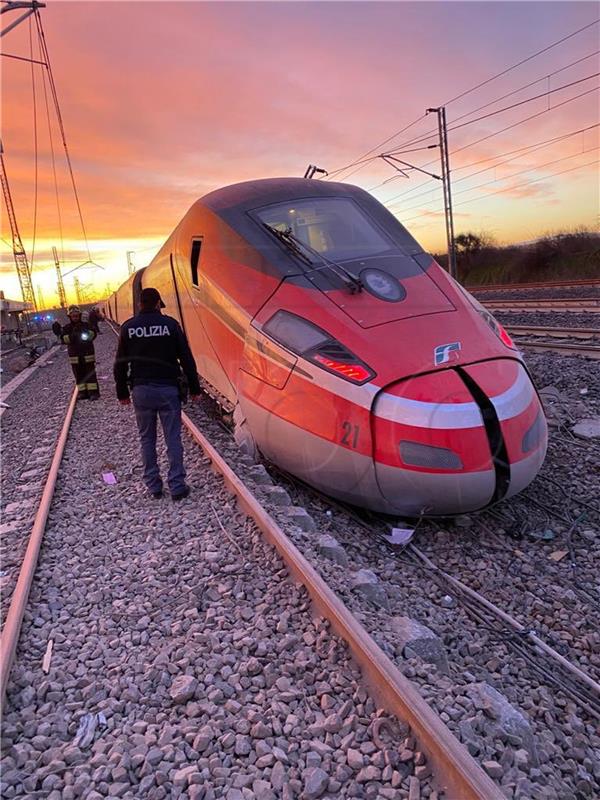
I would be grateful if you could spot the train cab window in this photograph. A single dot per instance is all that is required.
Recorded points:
(333, 226)
(195, 259)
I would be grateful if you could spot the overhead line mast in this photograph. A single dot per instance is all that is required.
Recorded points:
(12, 5)
(21, 262)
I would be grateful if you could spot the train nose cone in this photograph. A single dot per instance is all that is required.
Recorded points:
(452, 441)
(520, 417)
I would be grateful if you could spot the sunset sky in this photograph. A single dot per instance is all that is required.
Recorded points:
(163, 102)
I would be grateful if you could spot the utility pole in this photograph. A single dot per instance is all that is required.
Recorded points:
(62, 295)
(42, 302)
(78, 294)
(21, 262)
(445, 158)
(130, 267)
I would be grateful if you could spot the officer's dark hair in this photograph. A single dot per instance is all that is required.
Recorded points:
(150, 297)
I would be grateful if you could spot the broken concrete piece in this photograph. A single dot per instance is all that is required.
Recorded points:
(502, 718)
(329, 547)
(367, 583)
(418, 640)
(587, 428)
(299, 516)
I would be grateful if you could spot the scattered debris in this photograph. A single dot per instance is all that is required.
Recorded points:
(329, 547)
(47, 656)
(546, 535)
(558, 555)
(400, 536)
(365, 582)
(108, 477)
(587, 428)
(447, 601)
(87, 729)
(416, 639)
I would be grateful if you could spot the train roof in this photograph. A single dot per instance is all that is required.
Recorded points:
(252, 194)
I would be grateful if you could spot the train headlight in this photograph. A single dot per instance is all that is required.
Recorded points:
(382, 285)
(316, 345)
(498, 329)
(488, 318)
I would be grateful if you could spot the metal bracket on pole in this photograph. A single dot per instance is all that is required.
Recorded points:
(389, 158)
(445, 159)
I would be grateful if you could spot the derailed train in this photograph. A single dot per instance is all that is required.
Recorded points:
(351, 358)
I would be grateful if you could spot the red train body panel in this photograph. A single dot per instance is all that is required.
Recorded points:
(352, 359)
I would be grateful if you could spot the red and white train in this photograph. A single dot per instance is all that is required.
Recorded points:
(352, 359)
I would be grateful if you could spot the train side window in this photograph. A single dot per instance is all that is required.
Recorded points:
(195, 259)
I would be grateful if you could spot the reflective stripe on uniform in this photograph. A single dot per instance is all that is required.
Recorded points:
(66, 338)
(89, 359)
(73, 359)
(92, 386)
(81, 387)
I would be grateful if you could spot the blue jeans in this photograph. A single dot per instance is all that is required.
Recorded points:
(149, 402)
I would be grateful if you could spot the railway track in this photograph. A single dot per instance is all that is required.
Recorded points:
(544, 340)
(566, 284)
(564, 348)
(554, 332)
(541, 305)
(456, 772)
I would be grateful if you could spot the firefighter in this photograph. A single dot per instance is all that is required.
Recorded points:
(94, 320)
(79, 338)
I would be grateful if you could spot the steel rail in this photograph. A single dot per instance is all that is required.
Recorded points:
(562, 333)
(498, 612)
(14, 618)
(565, 348)
(456, 771)
(495, 287)
(580, 305)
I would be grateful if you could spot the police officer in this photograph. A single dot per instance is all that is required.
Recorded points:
(79, 338)
(152, 351)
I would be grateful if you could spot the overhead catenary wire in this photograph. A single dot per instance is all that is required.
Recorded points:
(54, 93)
(53, 160)
(546, 77)
(510, 188)
(466, 92)
(521, 152)
(503, 130)
(35, 150)
(515, 174)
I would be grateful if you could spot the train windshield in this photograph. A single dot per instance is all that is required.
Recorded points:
(335, 227)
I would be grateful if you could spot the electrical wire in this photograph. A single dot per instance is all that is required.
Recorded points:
(511, 188)
(468, 91)
(361, 159)
(35, 150)
(503, 130)
(521, 152)
(520, 63)
(546, 77)
(52, 155)
(46, 57)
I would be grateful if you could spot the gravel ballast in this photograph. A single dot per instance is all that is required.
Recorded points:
(508, 554)
(185, 663)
